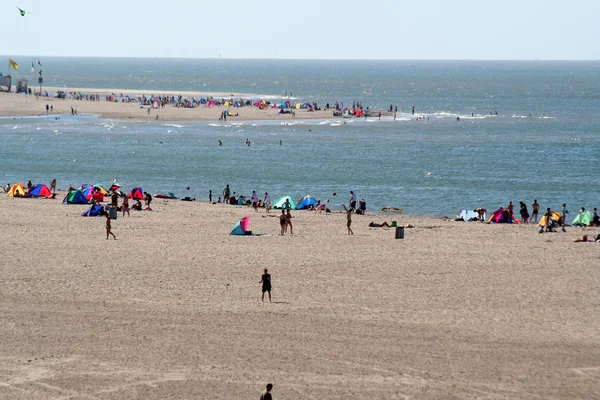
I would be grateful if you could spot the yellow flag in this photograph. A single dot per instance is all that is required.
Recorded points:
(12, 64)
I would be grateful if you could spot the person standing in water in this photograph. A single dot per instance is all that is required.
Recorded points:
(265, 282)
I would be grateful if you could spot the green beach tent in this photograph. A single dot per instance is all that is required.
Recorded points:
(582, 219)
(280, 203)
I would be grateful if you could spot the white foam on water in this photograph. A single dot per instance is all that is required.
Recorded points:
(215, 125)
(174, 125)
(336, 124)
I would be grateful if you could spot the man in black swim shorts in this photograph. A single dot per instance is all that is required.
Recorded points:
(265, 281)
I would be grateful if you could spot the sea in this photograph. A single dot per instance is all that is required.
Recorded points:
(527, 130)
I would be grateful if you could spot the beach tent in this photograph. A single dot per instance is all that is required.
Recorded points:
(93, 211)
(279, 203)
(39, 190)
(500, 216)
(582, 219)
(555, 216)
(16, 191)
(89, 192)
(101, 188)
(136, 194)
(240, 227)
(467, 215)
(306, 202)
(75, 197)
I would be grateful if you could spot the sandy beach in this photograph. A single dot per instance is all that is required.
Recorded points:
(172, 308)
(17, 105)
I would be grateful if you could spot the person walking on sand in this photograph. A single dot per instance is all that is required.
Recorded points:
(564, 216)
(265, 281)
(266, 394)
(288, 220)
(125, 206)
(535, 208)
(108, 231)
(267, 202)
(282, 222)
(349, 220)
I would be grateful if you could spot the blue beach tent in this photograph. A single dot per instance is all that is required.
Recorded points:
(93, 211)
(306, 202)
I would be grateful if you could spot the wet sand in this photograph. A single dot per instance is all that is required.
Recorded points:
(172, 308)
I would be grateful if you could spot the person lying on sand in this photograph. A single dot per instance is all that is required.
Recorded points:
(384, 224)
(584, 238)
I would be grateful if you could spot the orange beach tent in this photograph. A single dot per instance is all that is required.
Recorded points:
(16, 191)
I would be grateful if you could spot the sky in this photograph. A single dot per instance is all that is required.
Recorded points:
(304, 29)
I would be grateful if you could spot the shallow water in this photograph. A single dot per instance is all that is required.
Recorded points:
(429, 167)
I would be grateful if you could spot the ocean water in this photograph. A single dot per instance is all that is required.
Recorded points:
(544, 143)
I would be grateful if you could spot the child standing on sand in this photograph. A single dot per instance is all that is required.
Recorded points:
(108, 231)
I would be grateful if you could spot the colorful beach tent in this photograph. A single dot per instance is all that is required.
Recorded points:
(39, 190)
(306, 202)
(93, 211)
(555, 216)
(500, 216)
(101, 188)
(582, 219)
(16, 191)
(240, 227)
(136, 194)
(280, 203)
(90, 191)
(75, 197)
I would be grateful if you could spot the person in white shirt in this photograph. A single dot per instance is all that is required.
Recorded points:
(267, 202)
(352, 200)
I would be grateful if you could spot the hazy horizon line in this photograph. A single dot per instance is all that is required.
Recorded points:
(314, 59)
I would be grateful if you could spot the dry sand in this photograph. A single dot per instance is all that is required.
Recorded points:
(16, 105)
(171, 309)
